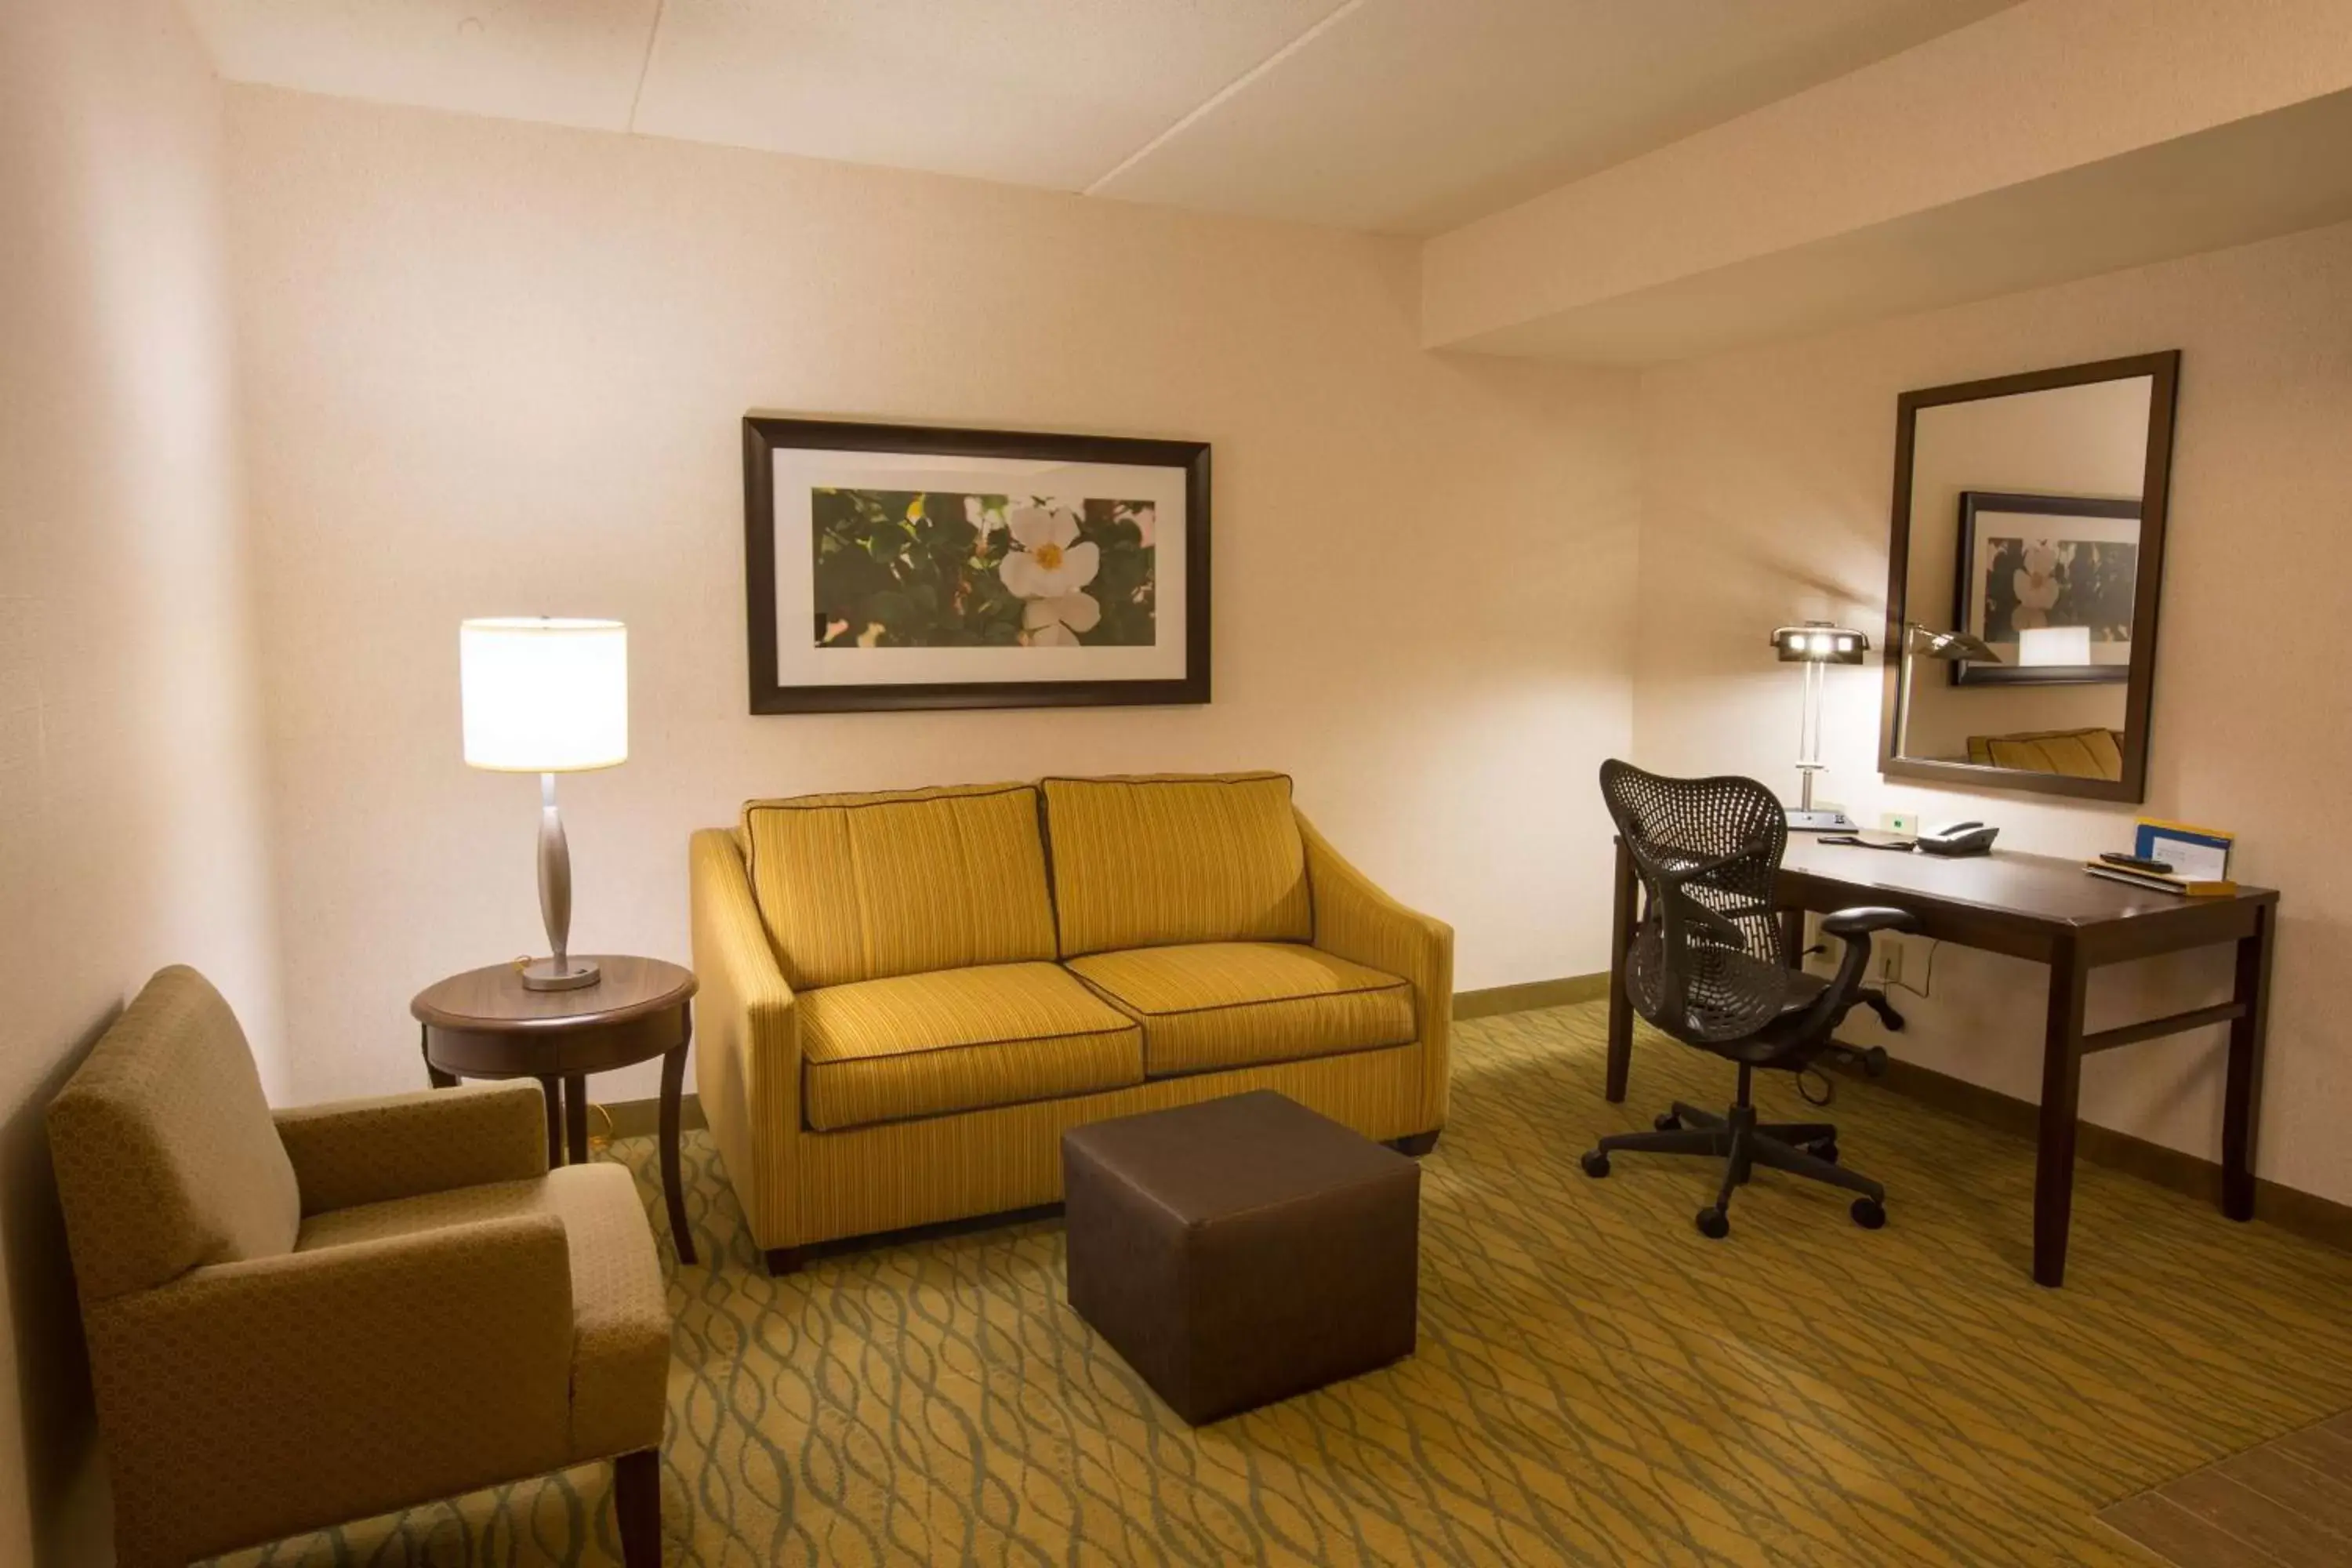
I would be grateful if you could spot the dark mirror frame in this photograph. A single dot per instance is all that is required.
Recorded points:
(2164, 372)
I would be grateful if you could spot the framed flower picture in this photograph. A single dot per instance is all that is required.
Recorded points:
(893, 566)
(2050, 583)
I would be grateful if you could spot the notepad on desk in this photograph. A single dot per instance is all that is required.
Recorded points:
(2195, 861)
(2164, 881)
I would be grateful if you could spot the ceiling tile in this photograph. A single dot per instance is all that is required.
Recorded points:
(1410, 116)
(1039, 92)
(567, 62)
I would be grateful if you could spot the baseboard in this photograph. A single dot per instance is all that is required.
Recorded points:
(642, 1117)
(1529, 994)
(2291, 1209)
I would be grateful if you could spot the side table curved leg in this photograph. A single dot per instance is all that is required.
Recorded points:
(673, 1085)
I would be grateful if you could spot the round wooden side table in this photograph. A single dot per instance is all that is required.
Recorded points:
(483, 1024)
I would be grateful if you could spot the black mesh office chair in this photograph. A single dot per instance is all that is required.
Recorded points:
(1708, 967)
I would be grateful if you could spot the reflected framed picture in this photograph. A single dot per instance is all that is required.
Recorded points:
(891, 566)
(2050, 582)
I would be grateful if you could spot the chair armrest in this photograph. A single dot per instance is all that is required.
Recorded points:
(1356, 921)
(352, 1152)
(244, 1401)
(747, 1039)
(1865, 919)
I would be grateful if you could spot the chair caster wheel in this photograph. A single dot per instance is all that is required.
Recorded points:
(1713, 1224)
(1596, 1164)
(1869, 1213)
(1667, 1121)
(1825, 1149)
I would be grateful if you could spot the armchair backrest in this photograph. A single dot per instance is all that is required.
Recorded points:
(1708, 963)
(166, 1153)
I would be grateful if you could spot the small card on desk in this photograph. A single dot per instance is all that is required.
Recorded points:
(2195, 854)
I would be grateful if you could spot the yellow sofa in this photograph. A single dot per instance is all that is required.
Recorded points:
(907, 996)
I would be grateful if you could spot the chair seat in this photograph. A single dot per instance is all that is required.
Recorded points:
(620, 1345)
(1212, 1006)
(958, 1039)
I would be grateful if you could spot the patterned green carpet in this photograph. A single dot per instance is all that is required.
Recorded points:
(1596, 1382)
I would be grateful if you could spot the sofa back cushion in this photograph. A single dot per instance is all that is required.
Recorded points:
(166, 1153)
(863, 887)
(1148, 861)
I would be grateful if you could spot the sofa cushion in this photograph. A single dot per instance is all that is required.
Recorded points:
(959, 1039)
(1149, 861)
(620, 1310)
(1239, 1004)
(165, 1153)
(863, 887)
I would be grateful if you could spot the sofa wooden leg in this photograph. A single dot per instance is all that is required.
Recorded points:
(636, 1503)
(1417, 1145)
(784, 1260)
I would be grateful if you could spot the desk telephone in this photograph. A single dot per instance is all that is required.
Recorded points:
(1958, 838)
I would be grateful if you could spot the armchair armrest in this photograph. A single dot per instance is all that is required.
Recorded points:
(354, 1151)
(747, 1042)
(244, 1401)
(1356, 921)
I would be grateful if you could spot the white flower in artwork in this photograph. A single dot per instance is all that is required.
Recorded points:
(982, 518)
(1057, 622)
(1049, 561)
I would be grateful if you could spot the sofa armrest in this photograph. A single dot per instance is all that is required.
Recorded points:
(747, 1038)
(1356, 921)
(244, 1401)
(352, 1152)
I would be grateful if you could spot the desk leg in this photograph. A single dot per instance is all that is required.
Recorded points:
(575, 1116)
(551, 1090)
(673, 1085)
(2242, 1096)
(1621, 943)
(2062, 1087)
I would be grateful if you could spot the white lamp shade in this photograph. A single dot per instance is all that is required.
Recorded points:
(544, 696)
(2053, 646)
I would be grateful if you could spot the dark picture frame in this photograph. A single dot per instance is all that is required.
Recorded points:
(2163, 370)
(1969, 609)
(1182, 467)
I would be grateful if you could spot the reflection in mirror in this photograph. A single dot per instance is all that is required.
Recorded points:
(2027, 566)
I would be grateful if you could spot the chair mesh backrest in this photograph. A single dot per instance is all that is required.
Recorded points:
(1707, 963)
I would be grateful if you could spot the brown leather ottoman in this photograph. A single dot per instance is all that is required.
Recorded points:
(1242, 1250)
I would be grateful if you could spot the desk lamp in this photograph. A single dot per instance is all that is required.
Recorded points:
(1813, 645)
(1920, 643)
(547, 697)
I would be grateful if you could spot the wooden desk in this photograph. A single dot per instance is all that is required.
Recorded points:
(2053, 912)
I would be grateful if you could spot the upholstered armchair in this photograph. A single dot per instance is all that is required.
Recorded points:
(307, 1318)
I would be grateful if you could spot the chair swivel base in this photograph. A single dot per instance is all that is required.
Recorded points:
(1807, 1148)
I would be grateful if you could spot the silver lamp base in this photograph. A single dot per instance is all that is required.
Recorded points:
(1819, 819)
(560, 974)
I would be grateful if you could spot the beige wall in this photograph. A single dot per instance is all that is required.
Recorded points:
(1768, 474)
(129, 755)
(497, 368)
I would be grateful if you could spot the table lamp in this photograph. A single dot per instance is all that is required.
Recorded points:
(547, 697)
(1920, 643)
(1813, 645)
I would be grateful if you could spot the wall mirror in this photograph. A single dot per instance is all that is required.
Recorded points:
(2027, 549)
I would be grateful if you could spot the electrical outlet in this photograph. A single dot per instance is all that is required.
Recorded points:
(1902, 822)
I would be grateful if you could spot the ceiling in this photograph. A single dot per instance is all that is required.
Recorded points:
(1401, 116)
